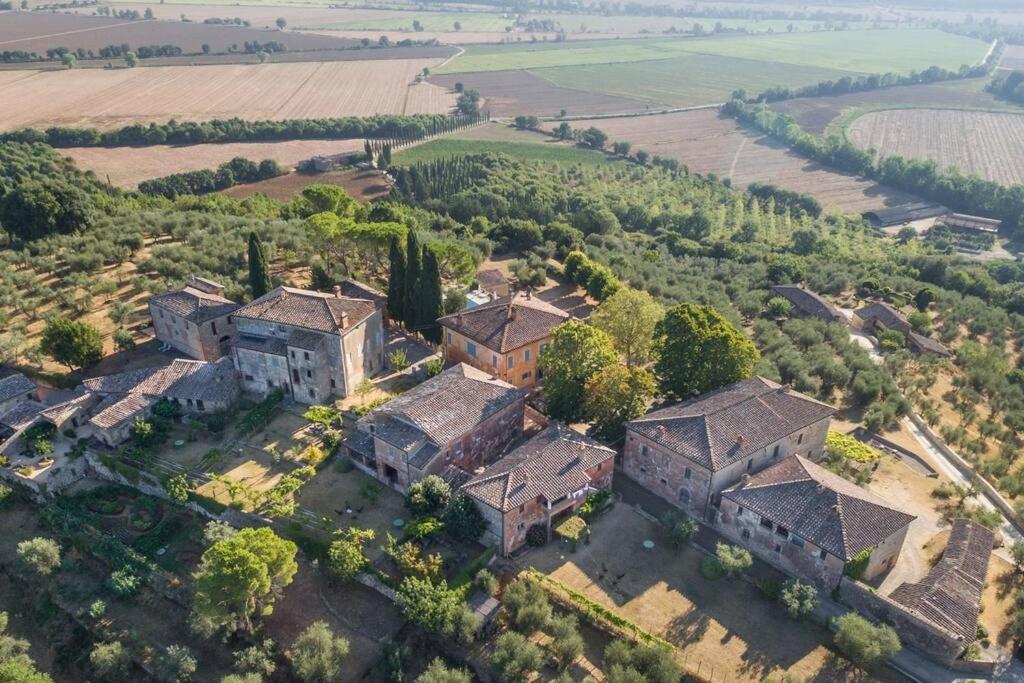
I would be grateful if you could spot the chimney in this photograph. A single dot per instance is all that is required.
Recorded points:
(529, 293)
(343, 320)
(511, 311)
(744, 480)
(337, 291)
(740, 440)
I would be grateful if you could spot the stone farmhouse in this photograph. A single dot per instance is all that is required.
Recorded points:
(494, 282)
(808, 304)
(504, 337)
(195, 386)
(309, 344)
(809, 522)
(15, 389)
(540, 482)
(879, 316)
(196, 319)
(688, 453)
(462, 418)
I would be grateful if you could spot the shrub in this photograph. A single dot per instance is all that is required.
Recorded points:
(175, 665)
(432, 368)
(41, 555)
(681, 527)
(843, 445)
(536, 536)
(486, 582)
(97, 609)
(711, 568)
(177, 488)
(124, 582)
(437, 672)
(866, 644)
(429, 496)
(527, 606)
(317, 653)
(856, 567)
(345, 557)
(798, 598)
(769, 588)
(256, 659)
(110, 661)
(463, 520)
(649, 662)
(733, 559)
(432, 607)
(515, 658)
(567, 643)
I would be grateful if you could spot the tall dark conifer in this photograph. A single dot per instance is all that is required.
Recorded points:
(413, 267)
(396, 281)
(259, 272)
(430, 298)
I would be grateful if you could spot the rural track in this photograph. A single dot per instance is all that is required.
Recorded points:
(67, 33)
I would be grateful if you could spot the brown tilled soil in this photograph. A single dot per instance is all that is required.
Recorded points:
(38, 32)
(363, 185)
(815, 113)
(509, 93)
(709, 143)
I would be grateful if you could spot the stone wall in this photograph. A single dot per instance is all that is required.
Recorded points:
(913, 630)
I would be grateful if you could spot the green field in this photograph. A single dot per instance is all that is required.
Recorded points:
(685, 81)
(548, 153)
(871, 51)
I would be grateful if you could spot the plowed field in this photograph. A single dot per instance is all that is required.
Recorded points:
(117, 97)
(986, 143)
(709, 143)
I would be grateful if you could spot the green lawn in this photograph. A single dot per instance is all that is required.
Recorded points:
(550, 153)
(431, 21)
(685, 81)
(870, 51)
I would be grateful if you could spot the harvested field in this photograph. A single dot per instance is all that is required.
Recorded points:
(988, 144)
(709, 143)
(868, 51)
(509, 93)
(261, 16)
(1013, 57)
(363, 185)
(685, 81)
(814, 114)
(127, 166)
(112, 98)
(38, 32)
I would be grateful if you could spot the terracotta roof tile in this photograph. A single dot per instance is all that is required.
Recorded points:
(117, 410)
(507, 323)
(810, 303)
(820, 507)
(307, 309)
(15, 385)
(728, 424)
(183, 379)
(195, 305)
(551, 464)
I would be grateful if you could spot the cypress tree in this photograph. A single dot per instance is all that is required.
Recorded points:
(413, 266)
(259, 272)
(396, 281)
(429, 295)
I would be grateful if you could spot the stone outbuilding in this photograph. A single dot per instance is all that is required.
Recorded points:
(811, 523)
(689, 452)
(14, 389)
(540, 482)
(879, 316)
(494, 282)
(462, 418)
(195, 320)
(808, 304)
(504, 337)
(311, 345)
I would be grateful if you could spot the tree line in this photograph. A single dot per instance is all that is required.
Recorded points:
(1009, 86)
(173, 132)
(963, 193)
(235, 172)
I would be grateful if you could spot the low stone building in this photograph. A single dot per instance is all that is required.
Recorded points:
(354, 289)
(504, 337)
(196, 387)
(309, 344)
(494, 282)
(542, 481)
(196, 319)
(879, 316)
(808, 304)
(811, 523)
(462, 418)
(689, 452)
(950, 595)
(14, 389)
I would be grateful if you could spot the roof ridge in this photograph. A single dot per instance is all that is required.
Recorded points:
(842, 520)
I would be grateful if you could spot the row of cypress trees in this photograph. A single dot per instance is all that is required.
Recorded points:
(414, 287)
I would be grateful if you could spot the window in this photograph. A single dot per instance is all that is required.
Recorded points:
(746, 534)
(800, 439)
(522, 508)
(309, 374)
(664, 481)
(510, 361)
(684, 496)
(750, 464)
(189, 403)
(449, 339)
(305, 355)
(766, 523)
(600, 466)
(230, 320)
(822, 554)
(471, 349)
(494, 360)
(161, 313)
(526, 356)
(542, 347)
(643, 450)
(739, 512)
(200, 405)
(295, 376)
(643, 470)
(782, 531)
(526, 375)
(334, 385)
(687, 472)
(778, 548)
(775, 452)
(521, 526)
(293, 354)
(213, 326)
(797, 541)
(249, 378)
(312, 394)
